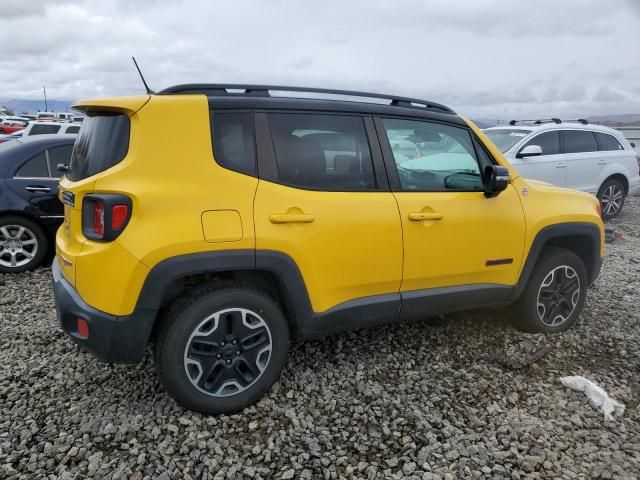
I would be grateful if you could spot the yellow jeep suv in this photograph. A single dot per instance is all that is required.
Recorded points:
(282, 212)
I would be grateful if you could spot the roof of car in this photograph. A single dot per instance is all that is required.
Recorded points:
(47, 138)
(232, 96)
(555, 126)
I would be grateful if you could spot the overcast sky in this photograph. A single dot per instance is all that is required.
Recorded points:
(485, 58)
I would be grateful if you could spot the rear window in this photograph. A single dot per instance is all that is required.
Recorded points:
(607, 142)
(44, 129)
(103, 141)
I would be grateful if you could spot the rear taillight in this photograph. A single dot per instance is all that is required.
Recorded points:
(638, 160)
(98, 218)
(105, 216)
(119, 216)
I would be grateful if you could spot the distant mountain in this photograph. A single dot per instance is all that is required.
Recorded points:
(616, 120)
(32, 106)
(485, 122)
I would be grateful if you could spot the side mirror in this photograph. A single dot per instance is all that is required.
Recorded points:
(496, 180)
(530, 151)
(633, 145)
(62, 167)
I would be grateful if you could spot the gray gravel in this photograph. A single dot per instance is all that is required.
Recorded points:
(438, 399)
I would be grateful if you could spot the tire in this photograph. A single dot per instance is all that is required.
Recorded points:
(611, 195)
(197, 359)
(23, 244)
(534, 311)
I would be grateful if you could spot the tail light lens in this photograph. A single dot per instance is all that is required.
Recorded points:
(98, 218)
(105, 216)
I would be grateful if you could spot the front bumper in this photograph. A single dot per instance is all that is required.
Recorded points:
(113, 339)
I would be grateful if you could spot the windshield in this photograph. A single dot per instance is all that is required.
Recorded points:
(505, 138)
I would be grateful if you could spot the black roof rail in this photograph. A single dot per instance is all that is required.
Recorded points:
(215, 90)
(548, 120)
(535, 122)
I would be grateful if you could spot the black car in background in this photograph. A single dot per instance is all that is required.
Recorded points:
(30, 211)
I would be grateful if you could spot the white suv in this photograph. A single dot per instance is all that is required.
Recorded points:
(44, 128)
(574, 154)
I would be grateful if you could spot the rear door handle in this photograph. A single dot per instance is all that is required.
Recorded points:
(291, 218)
(419, 216)
(561, 165)
(37, 188)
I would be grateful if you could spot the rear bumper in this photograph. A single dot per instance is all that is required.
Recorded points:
(634, 186)
(113, 339)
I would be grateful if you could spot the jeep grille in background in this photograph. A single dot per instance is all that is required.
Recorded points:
(103, 142)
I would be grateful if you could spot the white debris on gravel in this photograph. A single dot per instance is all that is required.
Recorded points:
(423, 399)
(598, 398)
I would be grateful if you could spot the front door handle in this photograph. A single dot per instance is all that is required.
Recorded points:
(291, 218)
(37, 188)
(419, 216)
(560, 165)
(602, 162)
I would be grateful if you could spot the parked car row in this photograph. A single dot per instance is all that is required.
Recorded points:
(11, 124)
(42, 128)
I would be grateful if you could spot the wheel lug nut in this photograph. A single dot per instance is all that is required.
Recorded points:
(235, 341)
(218, 356)
(238, 352)
(228, 362)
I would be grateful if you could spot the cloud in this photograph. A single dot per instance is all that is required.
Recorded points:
(480, 57)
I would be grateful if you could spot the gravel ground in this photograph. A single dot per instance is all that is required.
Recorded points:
(426, 399)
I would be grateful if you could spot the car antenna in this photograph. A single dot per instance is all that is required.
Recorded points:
(149, 91)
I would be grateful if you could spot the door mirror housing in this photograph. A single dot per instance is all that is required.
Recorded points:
(497, 179)
(530, 151)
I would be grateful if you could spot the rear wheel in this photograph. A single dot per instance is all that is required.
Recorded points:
(611, 196)
(221, 348)
(555, 294)
(23, 244)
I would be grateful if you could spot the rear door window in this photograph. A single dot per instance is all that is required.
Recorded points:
(607, 142)
(322, 152)
(59, 155)
(103, 142)
(579, 141)
(548, 141)
(35, 167)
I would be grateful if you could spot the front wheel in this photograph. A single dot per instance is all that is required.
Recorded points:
(554, 295)
(611, 196)
(221, 348)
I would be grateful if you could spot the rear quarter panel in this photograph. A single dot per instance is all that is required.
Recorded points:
(172, 180)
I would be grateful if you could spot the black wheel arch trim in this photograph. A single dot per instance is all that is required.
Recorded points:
(558, 232)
